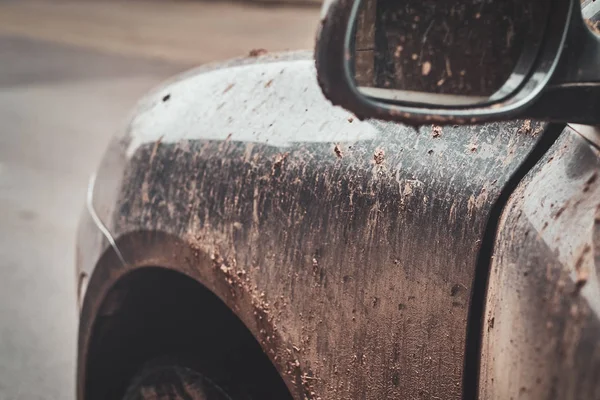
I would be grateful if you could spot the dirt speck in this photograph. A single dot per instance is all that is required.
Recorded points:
(338, 151)
(560, 211)
(350, 119)
(315, 266)
(228, 88)
(426, 68)
(582, 278)
(522, 390)
(430, 151)
(473, 148)
(166, 98)
(278, 163)
(525, 129)
(379, 156)
(217, 260)
(269, 83)
(582, 273)
(491, 321)
(436, 131)
(537, 131)
(456, 289)
(257, 52)
(590, 181)
(375, 302)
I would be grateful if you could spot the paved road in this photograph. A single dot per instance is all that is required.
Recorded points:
(65, 86)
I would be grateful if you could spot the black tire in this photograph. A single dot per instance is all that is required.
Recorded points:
(173, 382)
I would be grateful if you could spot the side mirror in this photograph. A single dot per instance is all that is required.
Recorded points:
(461, 61)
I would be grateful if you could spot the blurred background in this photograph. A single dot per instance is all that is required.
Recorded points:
(70, 71)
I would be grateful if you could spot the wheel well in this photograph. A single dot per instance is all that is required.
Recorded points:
(154, 312)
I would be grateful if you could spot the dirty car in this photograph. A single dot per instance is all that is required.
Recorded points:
(244, 238)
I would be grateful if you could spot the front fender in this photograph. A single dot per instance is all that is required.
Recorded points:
(347, 247)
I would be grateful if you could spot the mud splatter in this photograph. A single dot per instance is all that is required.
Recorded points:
(491, 321)
(338, 151)
(590, 181)
(278, 163)
(525, 128)
(426, 68)
(228, 88)
(315, 265)
(379, 156)
(257, 52)
(582, 273)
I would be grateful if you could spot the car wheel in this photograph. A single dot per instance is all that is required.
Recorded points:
(173, 382)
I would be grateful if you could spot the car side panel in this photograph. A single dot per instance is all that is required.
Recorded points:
(541, 337)
(347, 247)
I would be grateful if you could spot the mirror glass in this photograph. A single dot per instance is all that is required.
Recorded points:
(442, 52)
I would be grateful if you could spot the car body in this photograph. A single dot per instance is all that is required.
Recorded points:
(293, 251)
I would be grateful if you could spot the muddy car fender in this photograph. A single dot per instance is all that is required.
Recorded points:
(347, 249)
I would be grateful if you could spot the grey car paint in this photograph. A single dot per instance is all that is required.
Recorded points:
(349, 249)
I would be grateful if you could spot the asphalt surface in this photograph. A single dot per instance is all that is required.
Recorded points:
(69, 74)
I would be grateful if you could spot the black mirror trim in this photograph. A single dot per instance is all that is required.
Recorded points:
(333, 75)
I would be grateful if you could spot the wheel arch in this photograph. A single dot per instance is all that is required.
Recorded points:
(169, 301)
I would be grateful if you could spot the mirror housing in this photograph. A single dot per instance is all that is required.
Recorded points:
(557, 71)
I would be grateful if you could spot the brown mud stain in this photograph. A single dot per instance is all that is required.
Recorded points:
(257, 52)
(426, 68)
(590, 181)
(228, 88)
(278, 163)
(525, 129)
(338, 151)
(560, 211)
(582, 273)
(379, 156)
